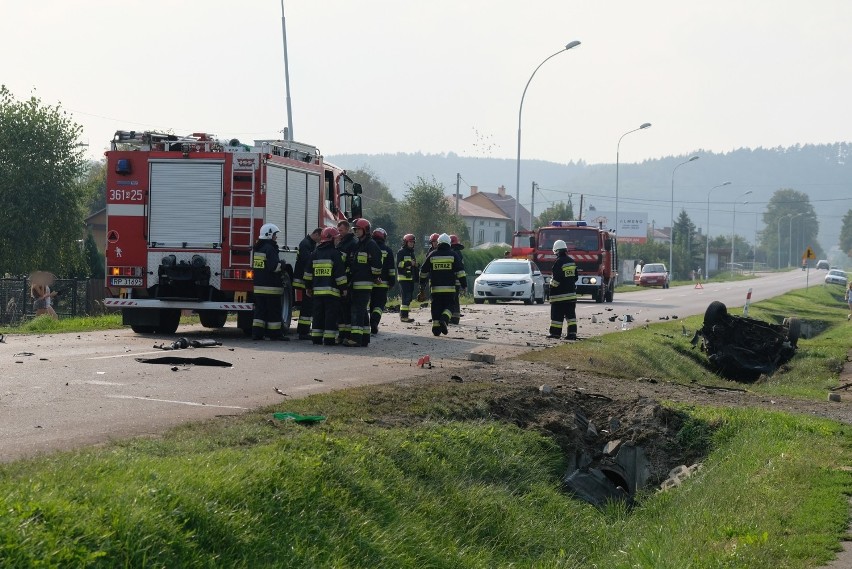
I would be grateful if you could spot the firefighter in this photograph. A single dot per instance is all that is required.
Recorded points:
(379, 296)
(268, 288)
(303, 254)
(433, 243)
(345, 244)
(365, 267)
(563, 293)
(442, 270)
(407, 270)
(457, 247)
(325, 284)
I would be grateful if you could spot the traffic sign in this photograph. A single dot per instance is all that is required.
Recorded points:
(809, 254)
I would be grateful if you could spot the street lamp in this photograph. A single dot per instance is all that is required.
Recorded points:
(671, 230)
(707, 249)
(617, 151)
(573, 44)
(790, 241)
(734, 228)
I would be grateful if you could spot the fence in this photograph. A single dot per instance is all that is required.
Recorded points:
(74, 298)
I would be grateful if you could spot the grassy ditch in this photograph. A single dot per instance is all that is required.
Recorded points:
(662, 350)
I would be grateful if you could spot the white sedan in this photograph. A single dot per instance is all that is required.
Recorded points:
(836, 276)
(509, 279)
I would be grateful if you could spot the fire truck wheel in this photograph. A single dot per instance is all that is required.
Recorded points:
(286, 303)
(212, 318)
(599, 296)
(610, 292)
(169, 321)
(141, 329)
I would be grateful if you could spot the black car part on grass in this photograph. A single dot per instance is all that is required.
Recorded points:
(743, 348)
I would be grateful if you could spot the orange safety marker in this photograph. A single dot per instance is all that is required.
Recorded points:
(698, 285)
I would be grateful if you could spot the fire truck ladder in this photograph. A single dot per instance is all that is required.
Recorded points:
(241, 219)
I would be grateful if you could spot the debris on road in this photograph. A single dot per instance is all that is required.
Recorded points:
(297, 418)
(183, 343)
(174, 360)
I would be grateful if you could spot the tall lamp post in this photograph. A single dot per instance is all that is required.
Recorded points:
(617, 151)
(790, 242)
(707, 248)
(734, 227)
(671, 230)
(573, 44)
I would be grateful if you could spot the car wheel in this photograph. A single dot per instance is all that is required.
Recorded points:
(492, 301)
(715, 313)
(478, 300)
(532, 296)
(794, 330)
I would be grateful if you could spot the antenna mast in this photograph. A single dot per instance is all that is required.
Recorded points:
(289, 134)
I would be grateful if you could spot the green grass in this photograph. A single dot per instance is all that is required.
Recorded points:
(457, 493)
(663, 350)
(46, 325)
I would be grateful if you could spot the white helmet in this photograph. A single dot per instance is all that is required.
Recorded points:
(559, 245)
(444, 238)
(268, 231)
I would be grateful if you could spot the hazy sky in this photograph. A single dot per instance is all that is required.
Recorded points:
(386, 76)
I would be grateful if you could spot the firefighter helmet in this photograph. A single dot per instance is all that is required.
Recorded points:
(443, 238)
(409, 238)
(363, 224)
(268, 231)
(329, 234)
(433, 238)
(559, 245)
(379, 233)
(455, 242)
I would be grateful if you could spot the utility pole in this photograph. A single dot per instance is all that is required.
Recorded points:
(458, 182)
(289, 134)
(532, 206)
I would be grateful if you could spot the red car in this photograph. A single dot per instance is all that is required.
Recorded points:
(652, 274)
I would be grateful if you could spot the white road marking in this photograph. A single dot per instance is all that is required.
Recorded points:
(133, 355)
(191, 403)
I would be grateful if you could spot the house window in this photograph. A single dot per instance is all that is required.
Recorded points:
(481, 236)
(497, 236)
(481, 222)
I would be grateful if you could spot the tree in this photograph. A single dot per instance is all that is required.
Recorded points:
(43, 200)
(426, 210)
(845, 240)
(379, 205)
(687, 253)
(94, 184)
(791, 225)
(560, 210)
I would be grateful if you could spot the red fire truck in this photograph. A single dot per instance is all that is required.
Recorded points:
(593, 249)
(184, 211)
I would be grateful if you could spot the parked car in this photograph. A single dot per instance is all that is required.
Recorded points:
(509, 279)
(836, 276)
(822, 264)
(652, 274)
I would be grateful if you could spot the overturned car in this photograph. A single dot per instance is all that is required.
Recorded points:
(743, 348)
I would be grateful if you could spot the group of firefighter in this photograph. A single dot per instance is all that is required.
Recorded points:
(343, 274)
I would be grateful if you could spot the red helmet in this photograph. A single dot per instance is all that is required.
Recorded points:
(433, 238)
(409, 238)
(329, 234)
(454, 239)
(363, 224)
(379, 233)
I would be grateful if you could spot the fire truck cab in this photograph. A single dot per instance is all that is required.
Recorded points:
(183, 213)
(593, 249)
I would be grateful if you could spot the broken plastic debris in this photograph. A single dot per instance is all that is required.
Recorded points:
(298, 418)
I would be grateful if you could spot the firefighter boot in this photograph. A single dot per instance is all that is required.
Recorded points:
(375, 317)
(403, 316)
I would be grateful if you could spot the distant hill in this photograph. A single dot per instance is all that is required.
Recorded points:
(821, 171)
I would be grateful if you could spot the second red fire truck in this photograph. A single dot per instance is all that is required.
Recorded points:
(592, 248)
(184, 211)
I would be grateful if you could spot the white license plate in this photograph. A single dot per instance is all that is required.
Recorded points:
(122, 281)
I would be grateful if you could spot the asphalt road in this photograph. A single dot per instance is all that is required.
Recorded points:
(67, 390)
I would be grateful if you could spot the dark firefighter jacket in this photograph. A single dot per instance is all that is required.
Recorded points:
(443, 269)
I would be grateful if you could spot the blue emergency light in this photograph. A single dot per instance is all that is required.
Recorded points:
(568, 224)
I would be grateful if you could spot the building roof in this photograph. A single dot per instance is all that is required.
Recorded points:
(507, 206)
(468, 209)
